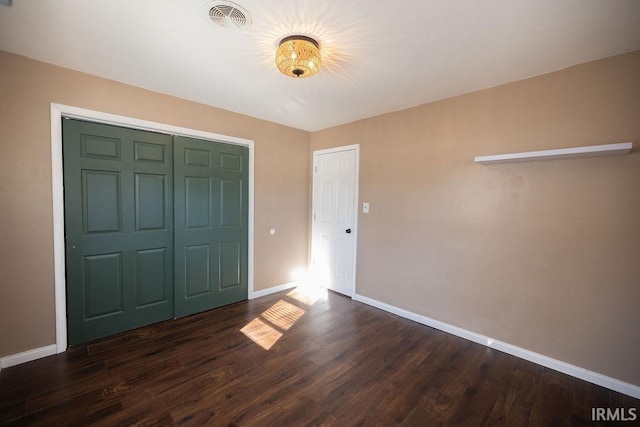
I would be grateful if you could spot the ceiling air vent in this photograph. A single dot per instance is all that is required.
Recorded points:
(229, 15)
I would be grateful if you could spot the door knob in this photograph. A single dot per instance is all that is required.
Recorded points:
(348, 231)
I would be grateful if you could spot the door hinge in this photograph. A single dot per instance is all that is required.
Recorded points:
(315, 169)
(314, 216)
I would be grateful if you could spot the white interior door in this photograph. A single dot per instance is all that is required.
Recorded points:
(333, 231)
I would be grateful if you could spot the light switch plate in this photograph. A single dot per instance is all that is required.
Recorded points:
(365, 207)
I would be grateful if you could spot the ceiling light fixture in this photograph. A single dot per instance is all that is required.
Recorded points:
(298, 56)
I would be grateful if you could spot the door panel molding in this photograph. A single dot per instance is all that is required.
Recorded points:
(57, 112)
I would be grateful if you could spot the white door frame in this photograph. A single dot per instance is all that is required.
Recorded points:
(355, 147)
(58, 111)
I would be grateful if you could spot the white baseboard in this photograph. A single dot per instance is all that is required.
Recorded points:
(27, 356)
(273, 290)
(557, 365)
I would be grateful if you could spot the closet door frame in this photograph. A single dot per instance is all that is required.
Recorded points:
(58, 111)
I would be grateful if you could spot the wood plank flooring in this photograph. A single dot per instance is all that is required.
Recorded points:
(286, 359)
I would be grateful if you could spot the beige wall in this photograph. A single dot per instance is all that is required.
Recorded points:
(27, 88)
(542, 255)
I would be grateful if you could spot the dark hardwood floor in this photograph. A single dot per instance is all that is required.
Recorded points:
(332, 362)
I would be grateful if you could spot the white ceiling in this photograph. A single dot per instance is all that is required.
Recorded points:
(379, 56)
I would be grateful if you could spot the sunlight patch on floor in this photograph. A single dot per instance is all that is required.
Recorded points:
(308, 295)
(261, 333)
(266, 329)
(283, 314)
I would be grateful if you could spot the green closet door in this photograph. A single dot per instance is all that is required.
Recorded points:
(211, 217)
(118, 226)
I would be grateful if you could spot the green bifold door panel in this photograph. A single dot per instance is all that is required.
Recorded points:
(155, 227)
(211, 217)
(119, 229)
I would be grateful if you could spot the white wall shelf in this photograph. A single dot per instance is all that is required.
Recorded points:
(561, 153)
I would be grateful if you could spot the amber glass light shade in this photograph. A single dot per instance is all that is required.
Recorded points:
(298, 56)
